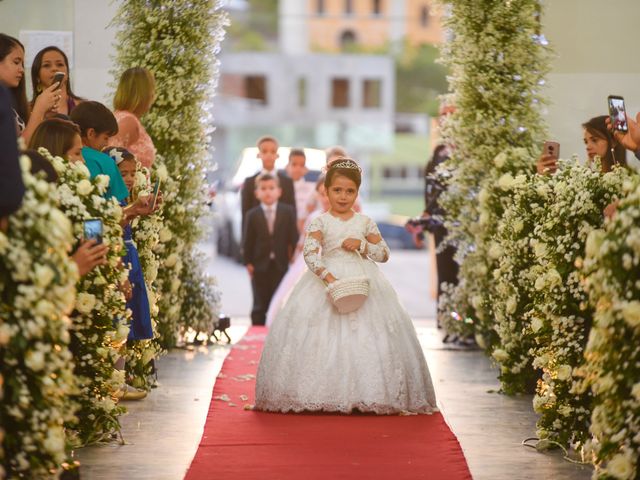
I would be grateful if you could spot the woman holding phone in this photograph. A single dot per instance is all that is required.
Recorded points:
(12, 77)
(598, 142)
(134, 97)
(51, 67)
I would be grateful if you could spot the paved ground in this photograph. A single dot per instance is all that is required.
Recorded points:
(163, 431)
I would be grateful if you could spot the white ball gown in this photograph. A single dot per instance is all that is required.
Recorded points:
(316, 359)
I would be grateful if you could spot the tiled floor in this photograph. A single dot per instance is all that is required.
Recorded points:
(162, 432)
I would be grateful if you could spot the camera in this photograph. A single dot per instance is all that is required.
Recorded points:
(430, 224)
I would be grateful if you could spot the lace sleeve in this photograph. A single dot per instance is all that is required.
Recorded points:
(378, 251)
(311, 249)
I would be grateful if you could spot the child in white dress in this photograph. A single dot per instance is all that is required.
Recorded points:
(317, 359)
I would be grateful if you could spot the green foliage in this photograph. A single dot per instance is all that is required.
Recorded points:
(419, 80)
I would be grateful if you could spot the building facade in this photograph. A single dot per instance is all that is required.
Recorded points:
(338, 25)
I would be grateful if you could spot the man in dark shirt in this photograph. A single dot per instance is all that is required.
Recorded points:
(11, 186)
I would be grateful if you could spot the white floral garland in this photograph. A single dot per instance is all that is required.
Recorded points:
(178, 40)
(99, 326)
(147, 233)
(498, 63)
(38, 284)
(612, 367)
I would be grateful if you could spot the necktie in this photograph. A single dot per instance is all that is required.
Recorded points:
(270, 219)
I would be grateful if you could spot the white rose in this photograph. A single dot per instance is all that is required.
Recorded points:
(84, 188)
(518, 225)
(81, 168)
(34, 360)
(165, 235)
(162, 173)
(85, 302)
(594, 242)
(540, 249)
(500, 355)
(631, 313)
(500, 160)
(564, 372)
(541, 281)
(536, 324)
(506, 181)
(483, 196)
(5, 334)
(25, 163)
(512, 303)
(495, 251)
(553, 277)
(635, 391)
(175, 285)
(102, 183)
(122, 333)
(171, 260)
(45, 308)
(621, 466)
(55, 442)
(43, 275)
(148, 355)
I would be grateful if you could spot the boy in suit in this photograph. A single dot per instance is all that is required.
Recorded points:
(268, 153)
(269, 240)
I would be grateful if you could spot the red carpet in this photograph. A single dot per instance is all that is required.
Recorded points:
(243, 444)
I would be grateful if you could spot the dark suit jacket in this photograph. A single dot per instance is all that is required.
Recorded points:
(11, 186)
(258, 244)
(249, 199)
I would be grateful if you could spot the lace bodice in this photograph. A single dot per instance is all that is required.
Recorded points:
(142, 148)
(334, 231)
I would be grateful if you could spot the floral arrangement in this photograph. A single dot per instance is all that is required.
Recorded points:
(561, 318)
(204, 297)
(147, 232)
(178, 41)
(611, 370)
(498, 63)
(36, 367)
(99, 322)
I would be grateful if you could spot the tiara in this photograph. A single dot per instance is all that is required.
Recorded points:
(345, 162)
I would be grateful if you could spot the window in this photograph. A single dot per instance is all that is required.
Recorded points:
(302, 92)
(340, 92)
(372, 93)
(255, 87)
(424, 16)
(376, 7)
(320, 7)
(347, 39)
(348, 7)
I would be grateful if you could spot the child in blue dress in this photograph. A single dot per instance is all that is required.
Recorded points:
(138, 303)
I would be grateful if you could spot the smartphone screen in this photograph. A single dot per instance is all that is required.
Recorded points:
(617, 113)
(156, 190)
(93, 229)
(58, 78)
(551, 148)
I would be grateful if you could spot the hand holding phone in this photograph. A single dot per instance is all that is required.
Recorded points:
(156, 191)
(552, 149)
(617, 113)
(58, 78)
(93, 229)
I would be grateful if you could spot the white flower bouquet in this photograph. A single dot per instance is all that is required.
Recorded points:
(37, 383)
(99, 322)
(612, 356)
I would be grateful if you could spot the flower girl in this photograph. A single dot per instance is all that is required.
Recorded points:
(318, 359)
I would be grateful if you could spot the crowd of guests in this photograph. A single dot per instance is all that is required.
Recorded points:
(80, 130)
(277, 206)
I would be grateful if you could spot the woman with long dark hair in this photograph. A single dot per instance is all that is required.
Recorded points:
(12, 77)
(46, 63)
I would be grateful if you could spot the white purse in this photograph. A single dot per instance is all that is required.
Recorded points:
(348, 294)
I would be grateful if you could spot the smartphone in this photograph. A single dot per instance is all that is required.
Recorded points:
(551, 148)
(156, 190)
(617, 113)
(58, 78)
(93, 229)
